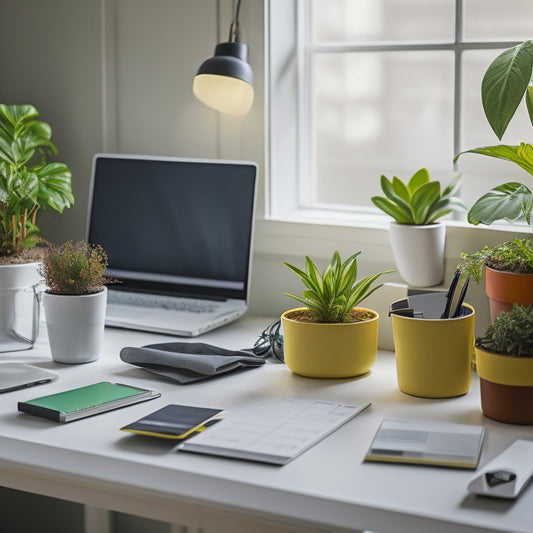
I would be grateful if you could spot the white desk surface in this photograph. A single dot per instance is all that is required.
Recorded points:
(328, 487)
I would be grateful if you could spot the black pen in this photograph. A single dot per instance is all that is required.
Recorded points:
(459, 305)
(449, 296)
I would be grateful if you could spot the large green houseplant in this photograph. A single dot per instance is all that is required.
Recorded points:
(417, 236)
(29, 181)
(504, 362)
(331, 337)
(505, 84)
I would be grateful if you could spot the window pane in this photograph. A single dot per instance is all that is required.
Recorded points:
(355, 21)
(497, 20)
(482, 173)
(379, 113)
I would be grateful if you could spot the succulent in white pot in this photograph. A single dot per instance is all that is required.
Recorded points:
(417, 236)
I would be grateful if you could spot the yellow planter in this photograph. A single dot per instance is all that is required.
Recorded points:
(506, 385)
(504, 369)
(329, 350)
(433, 356)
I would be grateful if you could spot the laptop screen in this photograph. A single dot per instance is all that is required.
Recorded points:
(172, 225)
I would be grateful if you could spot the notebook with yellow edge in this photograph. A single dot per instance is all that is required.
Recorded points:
(175, 421)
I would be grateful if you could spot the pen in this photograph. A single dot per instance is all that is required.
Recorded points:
(459, 305)
(449, 295)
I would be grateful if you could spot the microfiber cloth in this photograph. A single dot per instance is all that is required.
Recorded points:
(188, 362)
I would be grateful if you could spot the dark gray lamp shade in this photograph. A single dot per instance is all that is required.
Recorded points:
(225, 81)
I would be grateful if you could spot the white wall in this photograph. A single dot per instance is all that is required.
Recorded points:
(116, 75)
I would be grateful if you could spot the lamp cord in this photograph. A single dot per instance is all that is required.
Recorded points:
(234, 28)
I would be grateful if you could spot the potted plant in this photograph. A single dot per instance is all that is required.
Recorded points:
(508, 272)
(331, 337)
(28, 182)
(75, 300)
(506, 81)
(504, 358)
(417, 237)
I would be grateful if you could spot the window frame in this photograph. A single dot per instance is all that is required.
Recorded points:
(290, 153)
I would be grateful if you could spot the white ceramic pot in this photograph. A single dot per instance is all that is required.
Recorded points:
(419, 252)
(75, 326)
(19, 306)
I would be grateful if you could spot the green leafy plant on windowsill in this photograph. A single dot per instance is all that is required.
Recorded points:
(511, 256)
(419, 201)
(507, 81)
(511, 333)
(28, 180)
(332, 295)
(74, 268)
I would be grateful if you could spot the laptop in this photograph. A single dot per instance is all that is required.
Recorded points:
(14, 376)
(178, 234)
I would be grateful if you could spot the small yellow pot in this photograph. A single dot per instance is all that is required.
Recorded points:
(506, 385)
(329, 350)
(433, 356)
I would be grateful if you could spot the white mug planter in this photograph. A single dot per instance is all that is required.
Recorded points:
(418, 252)
(75, 325)
(19, 306)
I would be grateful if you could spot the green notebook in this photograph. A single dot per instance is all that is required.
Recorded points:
(85, 401)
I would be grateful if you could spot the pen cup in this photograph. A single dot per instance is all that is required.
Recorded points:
(433, 356)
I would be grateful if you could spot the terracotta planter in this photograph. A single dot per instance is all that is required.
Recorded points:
(434, 356)
(505, 288)
(330, 350)
(418, 252)
(506, 384)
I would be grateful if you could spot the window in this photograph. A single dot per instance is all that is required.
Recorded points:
(360, 88)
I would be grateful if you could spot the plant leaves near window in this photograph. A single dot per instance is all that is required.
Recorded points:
(512, 201)
(421, 201)
(504, 84)
(522, 155)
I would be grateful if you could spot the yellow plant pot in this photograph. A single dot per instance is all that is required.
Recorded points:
(433, 356)
(329, 350)
(506, 385)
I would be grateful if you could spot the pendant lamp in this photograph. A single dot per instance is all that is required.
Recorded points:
(225, 81)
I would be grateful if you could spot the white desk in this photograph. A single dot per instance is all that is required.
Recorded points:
(328, 488)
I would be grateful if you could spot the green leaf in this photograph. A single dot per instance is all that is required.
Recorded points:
(422, 200)
(419, 178)
(55, 186)
(510, 201)
(15, 114)
(396, 212)
(529, 103)
(504, 84)
(522, 155)
(453, 187)
(400, 190)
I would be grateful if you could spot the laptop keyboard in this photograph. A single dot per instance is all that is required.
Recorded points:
(174, 303)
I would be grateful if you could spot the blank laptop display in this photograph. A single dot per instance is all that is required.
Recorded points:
(178, 235)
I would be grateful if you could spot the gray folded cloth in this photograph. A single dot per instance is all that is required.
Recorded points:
(188, 362)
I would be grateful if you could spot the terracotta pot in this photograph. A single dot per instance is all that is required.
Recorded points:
(329, 350)
(506, 384)
(505, 288)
